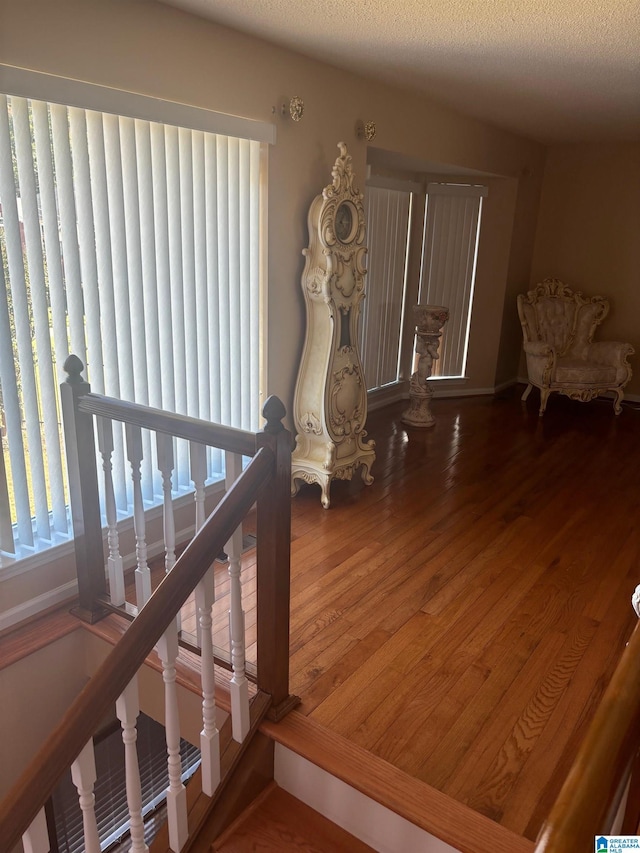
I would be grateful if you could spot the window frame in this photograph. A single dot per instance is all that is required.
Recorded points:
(465, 190)
(34, 85)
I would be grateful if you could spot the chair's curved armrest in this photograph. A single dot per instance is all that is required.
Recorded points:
(541, 362)
(539, 349)
(609, 352)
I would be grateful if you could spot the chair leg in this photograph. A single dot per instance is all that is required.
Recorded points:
(526, 393)
(544, 396)
(617, 402)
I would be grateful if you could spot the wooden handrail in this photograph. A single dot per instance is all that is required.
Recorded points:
(35, 785)
(181, 426)
(590, 796)
(80, 407)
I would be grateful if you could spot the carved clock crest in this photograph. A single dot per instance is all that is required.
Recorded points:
(330, 405)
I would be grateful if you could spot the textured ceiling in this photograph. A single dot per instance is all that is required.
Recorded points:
(552, 70)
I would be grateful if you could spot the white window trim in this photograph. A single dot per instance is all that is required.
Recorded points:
(89, 96)
(377, 323)
(34, 85)
(463, 190)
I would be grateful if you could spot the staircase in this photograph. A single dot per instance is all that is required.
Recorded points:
(278, 821)
(329, 794)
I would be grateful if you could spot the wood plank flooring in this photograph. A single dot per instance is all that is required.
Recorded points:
(278, 821)
(461, 617)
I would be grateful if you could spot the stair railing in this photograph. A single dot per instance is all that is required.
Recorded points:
(265, 482)
(601, 794)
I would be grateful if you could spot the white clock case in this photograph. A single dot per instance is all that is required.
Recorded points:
(330, 404)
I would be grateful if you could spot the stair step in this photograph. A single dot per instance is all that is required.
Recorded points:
(413, 800)
(279, 822)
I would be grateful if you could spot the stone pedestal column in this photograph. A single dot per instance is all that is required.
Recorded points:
(429, 320)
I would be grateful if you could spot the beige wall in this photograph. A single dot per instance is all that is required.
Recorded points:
(498, 212)
(589, 232)
(149, 48)
(146, 47)
(36, 692)
(518, 276)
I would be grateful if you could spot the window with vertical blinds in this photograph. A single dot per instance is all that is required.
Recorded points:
(135, 245)
(388, 213)
(449, 253)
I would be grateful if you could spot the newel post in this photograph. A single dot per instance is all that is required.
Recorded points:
(273, 553)
(83, 493)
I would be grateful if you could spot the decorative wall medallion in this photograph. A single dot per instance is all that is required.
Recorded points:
(296, 108)
(366, 130)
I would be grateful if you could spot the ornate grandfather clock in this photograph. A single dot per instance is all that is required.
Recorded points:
(330, 404)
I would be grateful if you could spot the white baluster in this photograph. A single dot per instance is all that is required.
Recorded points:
(114, 561)
(142, 573)
(167, 649)
(127, 709)
(83, 773)
(165, 466)
(36, 838)
(239, 686)
(209, 736)
(198, 465)
(205, 597)
(198, 458)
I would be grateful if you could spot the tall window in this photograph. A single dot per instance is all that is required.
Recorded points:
(388, 213)
(447, 273)
(136, 245)
(449, 253)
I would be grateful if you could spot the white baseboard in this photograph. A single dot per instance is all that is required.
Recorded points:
(380, 397)
(371, 822)
(502, 386)
(441, 393)
(394, 393)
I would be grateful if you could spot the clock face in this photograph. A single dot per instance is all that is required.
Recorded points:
(344, 222)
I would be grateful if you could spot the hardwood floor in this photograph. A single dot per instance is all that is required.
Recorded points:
(278, 821)
(461, 617)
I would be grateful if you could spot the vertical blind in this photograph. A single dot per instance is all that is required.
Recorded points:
(135, 245)
(449, 252)
(388, 214)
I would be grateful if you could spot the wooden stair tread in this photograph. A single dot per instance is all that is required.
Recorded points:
(421, 804)
(25, 639)
(282, 823)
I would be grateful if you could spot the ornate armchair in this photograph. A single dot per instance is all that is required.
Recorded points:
(558, 326)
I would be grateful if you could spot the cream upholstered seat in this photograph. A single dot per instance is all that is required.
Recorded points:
(558, 326)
